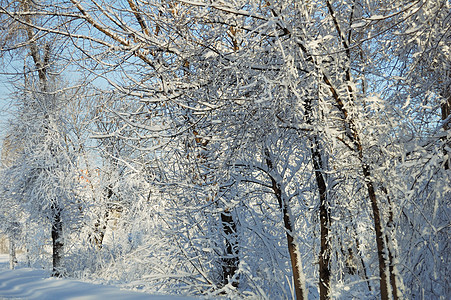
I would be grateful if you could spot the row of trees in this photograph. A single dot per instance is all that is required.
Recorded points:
(269, 149)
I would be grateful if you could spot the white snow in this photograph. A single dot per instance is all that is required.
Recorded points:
(26, 283)
(358, 25)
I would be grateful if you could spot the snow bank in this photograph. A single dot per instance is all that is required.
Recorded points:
(26, 283)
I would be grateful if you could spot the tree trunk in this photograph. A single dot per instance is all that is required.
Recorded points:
(391, 258)
(324, 216)
(446, 112)
(380, 243)
(231, 260)
(57, 241)
(295, 258)
(391, 269)
(293, 250)
(12, 254)
(324, 208)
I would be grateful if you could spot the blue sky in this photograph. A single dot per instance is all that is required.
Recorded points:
(5, 106)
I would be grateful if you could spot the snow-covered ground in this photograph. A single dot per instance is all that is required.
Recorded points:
(26, 283)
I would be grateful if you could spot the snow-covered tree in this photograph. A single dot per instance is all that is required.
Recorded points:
(317, 130)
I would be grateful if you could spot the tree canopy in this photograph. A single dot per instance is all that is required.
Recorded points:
(267, 149)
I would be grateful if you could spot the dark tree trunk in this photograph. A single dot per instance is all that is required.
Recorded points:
(57, 241)
(446, 112)
(380, 243)
(324, 216)
(324, 208)
(231, 260)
